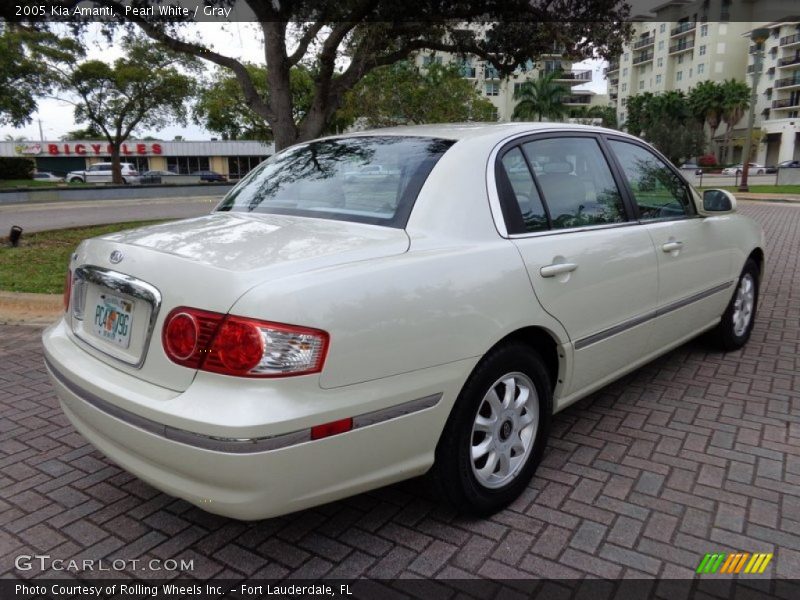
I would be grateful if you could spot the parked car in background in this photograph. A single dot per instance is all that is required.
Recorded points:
(210, 176)
(47, 176)
(101, 173)
(155, 176)
(310, 340)
(690, 166)
(755, 169)
(789, 164)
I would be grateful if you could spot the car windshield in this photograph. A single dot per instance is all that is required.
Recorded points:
(367, 179)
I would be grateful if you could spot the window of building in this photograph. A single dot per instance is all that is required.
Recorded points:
(660, 62)
(702, 51)
(704, 31)
(624, 87)
(678, 75)
(186, 165)
(663, 28)
(431, 60)
(690, 72)
(641, 85)
(625, 72)
(701, 68)
(680, 59)
(658, 79)
(625, 57)
(239, 166)
(661, 45)
(140, 163)
(492, 88)
(624, 102)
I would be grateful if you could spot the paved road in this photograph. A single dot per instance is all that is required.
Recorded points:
(696, 452)
(45, 216)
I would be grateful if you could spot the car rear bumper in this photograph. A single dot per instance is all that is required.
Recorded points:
(276, 468)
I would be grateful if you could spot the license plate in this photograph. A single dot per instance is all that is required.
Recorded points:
(113, 317)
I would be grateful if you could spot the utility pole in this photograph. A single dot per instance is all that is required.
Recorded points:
(41, 132)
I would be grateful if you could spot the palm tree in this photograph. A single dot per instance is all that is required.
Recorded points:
(705, 102)
(735, 101)
(14, 138)
(540, 98)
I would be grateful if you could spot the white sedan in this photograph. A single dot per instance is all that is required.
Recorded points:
(755, 169)
(312, 339)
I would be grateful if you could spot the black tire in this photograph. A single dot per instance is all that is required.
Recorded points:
(124, 181)
(725, 335)
(76, 180)
(453, 473)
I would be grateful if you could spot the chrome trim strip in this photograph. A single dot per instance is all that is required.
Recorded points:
(234, 445)
(121, 284)
(630, 323)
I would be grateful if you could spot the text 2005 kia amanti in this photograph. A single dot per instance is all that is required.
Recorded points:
(366, 308)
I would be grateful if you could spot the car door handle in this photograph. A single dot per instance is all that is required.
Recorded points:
(557, 269)
(672, 246)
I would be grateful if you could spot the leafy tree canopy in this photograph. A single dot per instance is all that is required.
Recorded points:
(341, 41)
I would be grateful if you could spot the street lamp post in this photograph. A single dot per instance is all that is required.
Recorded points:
(758, 36)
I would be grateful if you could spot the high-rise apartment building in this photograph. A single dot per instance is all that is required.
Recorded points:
(687, 42)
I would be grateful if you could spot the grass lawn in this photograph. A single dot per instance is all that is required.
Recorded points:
(765, 189)
(40, 262)
(13, 183)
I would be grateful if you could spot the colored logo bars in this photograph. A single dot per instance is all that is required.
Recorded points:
(741, 562)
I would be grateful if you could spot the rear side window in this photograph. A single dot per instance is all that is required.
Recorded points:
(576, 182)
(524, 190)
(659, 192)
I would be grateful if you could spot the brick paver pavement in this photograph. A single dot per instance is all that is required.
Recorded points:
(696, 452)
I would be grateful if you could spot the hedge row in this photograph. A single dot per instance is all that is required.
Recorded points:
(16, 168)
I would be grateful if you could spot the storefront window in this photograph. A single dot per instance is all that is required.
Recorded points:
(186, 165)
(239, 166)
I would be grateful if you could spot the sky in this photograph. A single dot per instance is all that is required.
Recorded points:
(239, 40)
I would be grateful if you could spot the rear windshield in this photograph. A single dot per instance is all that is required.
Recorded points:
(370, 179)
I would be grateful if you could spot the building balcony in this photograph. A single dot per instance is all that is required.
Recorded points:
(645, 42)
(614, 81)
(788, 82)
(789, 61)
(682, 29)
(790, 41)
(643, 57)
(577, 100)
(682, 46)
(786, 103)
(572, 77)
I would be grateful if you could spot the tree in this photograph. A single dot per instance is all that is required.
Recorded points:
(29, 68)
(344, 40)
(736, 100)
(142, 89)
(403, 94)
(706, 101)
(666, 120)
(540, 98)
(85, 133)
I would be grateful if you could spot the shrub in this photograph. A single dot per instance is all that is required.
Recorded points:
(16, 168)
(707, 160)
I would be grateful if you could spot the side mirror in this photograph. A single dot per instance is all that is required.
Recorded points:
(718, 201)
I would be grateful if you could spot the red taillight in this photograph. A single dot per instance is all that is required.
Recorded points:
(238, 346)
(333, 428)
(67, 289)
(180, 336)
(237, 349)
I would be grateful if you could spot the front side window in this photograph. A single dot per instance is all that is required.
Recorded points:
(658, 191)
(367, 179)
(576, 182)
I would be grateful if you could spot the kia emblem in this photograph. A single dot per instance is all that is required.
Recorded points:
(116, 257)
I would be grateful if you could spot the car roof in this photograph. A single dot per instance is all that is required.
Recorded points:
(491, 131)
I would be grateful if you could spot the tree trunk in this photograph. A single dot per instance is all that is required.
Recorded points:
(283, 126)
(116, 168)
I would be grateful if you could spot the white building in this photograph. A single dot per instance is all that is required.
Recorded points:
(500, 91)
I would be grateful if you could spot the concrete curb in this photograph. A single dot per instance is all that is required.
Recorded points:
(30, 309)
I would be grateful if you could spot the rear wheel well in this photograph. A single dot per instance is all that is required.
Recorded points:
(541, 341)
(758, 256)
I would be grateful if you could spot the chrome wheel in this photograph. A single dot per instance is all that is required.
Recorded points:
(504, 430)
(743, 305)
